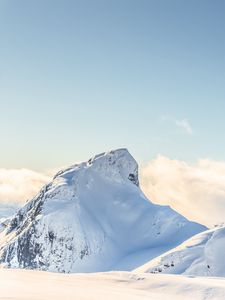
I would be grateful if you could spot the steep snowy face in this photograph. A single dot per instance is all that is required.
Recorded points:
(91, 217)
(201, 255)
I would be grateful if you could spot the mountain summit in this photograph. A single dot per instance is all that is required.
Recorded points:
(92, 217)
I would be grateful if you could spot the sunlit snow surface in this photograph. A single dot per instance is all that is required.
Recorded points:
(201, 255)
(38, 285)
(92, 217)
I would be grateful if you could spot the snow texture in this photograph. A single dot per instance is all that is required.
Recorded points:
(92, 217)
(201, 255)
(36, 285)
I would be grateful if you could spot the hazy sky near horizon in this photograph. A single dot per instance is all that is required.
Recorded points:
(82, 77)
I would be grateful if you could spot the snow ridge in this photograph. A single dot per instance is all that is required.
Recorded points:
(201, 255)
(92, 217)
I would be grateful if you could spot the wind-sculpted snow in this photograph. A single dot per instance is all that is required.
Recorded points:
(92, 217)
(36, 285)
(201, 255)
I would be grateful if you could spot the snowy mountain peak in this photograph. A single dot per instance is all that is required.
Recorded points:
(118, 165)
(92, 217)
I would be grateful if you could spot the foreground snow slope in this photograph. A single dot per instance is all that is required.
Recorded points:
(92, 217)
(37, 285)
(201, 255)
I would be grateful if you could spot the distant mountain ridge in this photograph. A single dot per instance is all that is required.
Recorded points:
(92, 216)
(201, 255)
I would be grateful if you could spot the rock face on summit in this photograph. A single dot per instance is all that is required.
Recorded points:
(92, 217)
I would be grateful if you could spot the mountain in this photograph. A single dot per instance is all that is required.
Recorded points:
(92, 217)
(201, 255)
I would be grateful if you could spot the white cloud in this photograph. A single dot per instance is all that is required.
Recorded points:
(18, 185)
(184, 124)
(196, 191)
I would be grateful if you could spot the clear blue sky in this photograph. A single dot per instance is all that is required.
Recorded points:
(81, 77)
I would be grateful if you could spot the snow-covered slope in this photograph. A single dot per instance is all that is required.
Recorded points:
(92, 217)
(35, 285)
(201, 255)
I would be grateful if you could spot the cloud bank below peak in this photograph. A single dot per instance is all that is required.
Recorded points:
(19, 185)
(197, 191)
